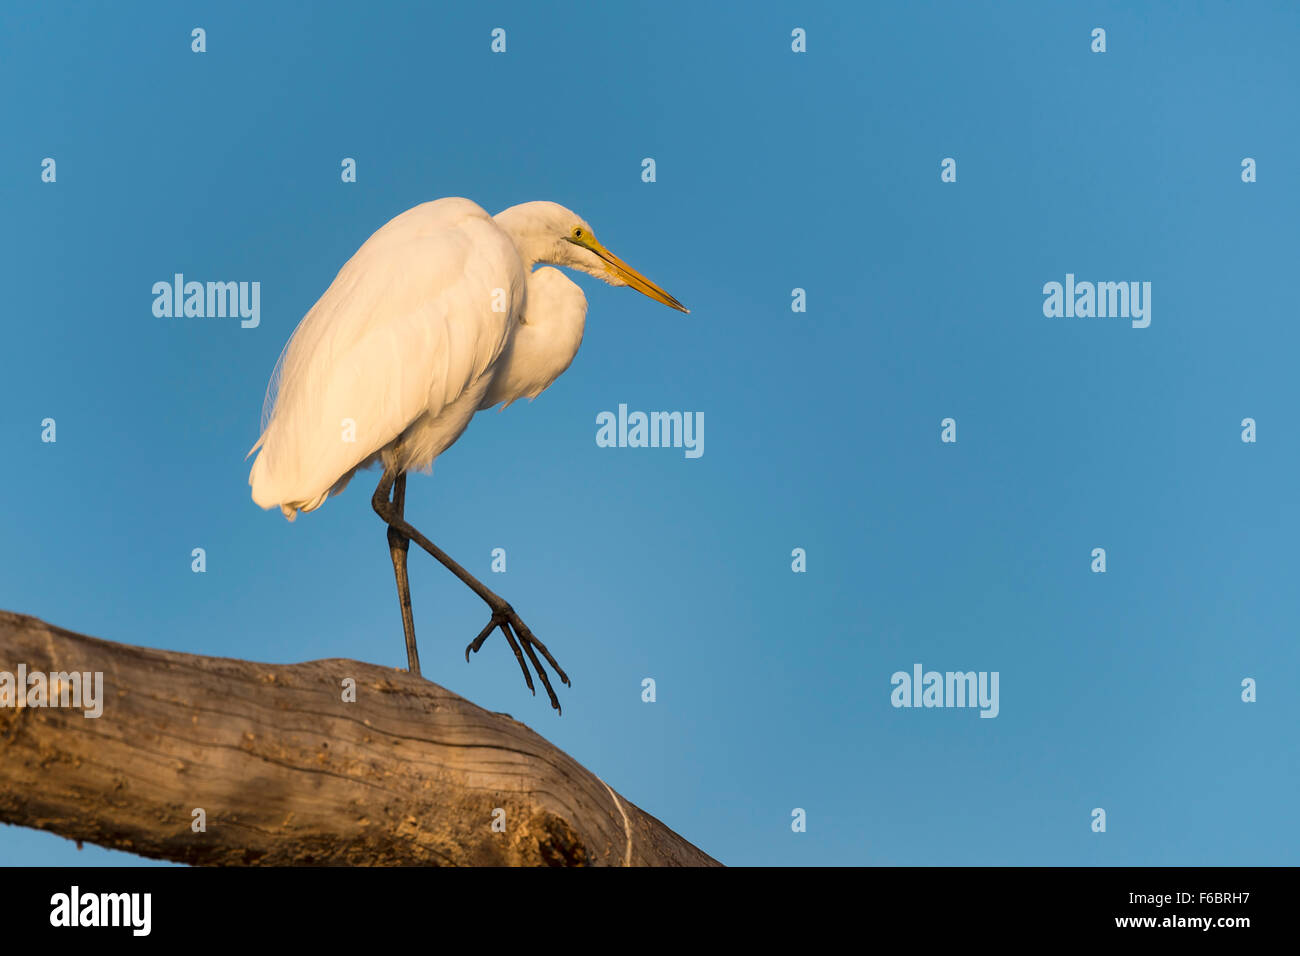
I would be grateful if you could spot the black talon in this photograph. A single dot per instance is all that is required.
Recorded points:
(517, 634)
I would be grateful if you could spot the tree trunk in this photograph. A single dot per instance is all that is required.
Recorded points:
(286, 771)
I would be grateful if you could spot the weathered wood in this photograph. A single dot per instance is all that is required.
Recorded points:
(288, 773)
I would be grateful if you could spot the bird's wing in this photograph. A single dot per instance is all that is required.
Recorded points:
(403, 330)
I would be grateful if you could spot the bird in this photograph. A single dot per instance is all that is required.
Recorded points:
(443, 312)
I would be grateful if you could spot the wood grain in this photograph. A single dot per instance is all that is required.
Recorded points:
(288, 773)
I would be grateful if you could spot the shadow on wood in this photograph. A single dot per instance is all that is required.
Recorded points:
(287, 773)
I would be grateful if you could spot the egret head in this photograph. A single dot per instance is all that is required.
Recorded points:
(547, 232)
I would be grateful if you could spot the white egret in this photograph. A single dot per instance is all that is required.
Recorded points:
(439, 314)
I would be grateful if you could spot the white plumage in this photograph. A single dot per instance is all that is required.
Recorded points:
(436, 316)
(544, 342)
(439, 314)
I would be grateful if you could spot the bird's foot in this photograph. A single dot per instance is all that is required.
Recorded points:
(511, 626)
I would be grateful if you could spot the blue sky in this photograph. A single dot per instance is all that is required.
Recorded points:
(775, 171)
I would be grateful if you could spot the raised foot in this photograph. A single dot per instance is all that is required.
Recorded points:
(511, 626)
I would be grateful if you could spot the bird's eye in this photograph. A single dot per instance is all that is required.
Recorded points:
(577, 232)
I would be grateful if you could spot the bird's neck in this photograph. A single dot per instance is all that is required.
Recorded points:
(545, 340)
(528, 231)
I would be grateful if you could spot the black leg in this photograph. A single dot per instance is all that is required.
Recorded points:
(503, 615)
(397, 547)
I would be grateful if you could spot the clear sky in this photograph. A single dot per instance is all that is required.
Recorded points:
(775, 170)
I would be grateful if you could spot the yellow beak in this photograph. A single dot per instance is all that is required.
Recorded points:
(633, 278)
